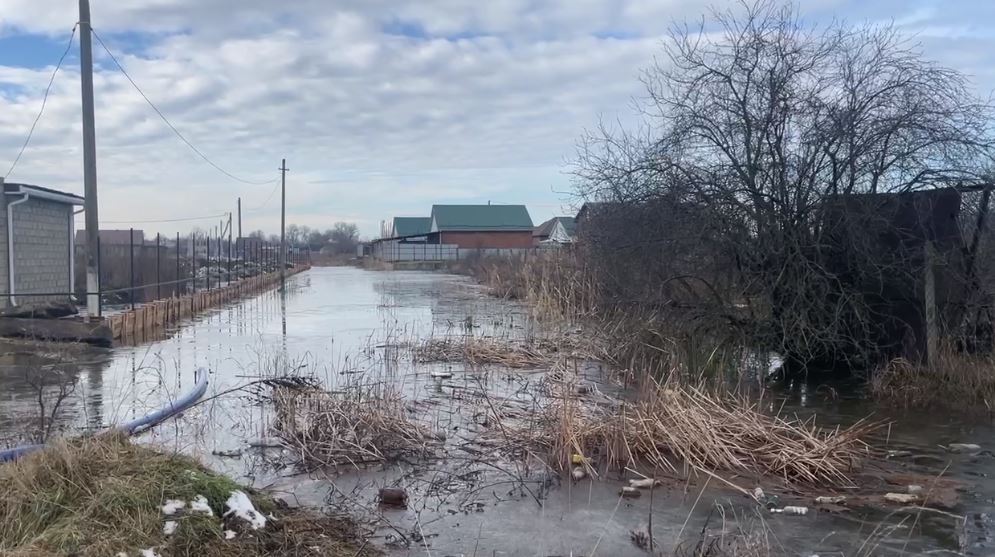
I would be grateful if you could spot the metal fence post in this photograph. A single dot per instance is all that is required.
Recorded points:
(158, 276)
(100, 283)
(131, 257)
(193, 260)
(176, 284)
(208, 274)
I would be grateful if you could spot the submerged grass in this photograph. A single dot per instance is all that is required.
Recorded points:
(673, 425)
(358, 425)
(954, 380)
(104, 496)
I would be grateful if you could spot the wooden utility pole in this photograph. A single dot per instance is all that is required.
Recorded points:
(89, 163)
(283, 221)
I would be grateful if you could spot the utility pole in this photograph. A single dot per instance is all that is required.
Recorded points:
(283, 221)
(89, 162)
(239, 217)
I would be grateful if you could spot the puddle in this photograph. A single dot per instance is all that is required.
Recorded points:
(347, 326)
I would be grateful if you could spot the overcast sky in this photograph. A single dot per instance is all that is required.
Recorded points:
(382, 107)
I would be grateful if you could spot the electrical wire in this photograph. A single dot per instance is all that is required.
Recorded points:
(185, 219)
(44, 101)
(264, 203)
(168, 123)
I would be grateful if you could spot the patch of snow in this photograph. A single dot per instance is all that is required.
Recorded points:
(229, 534)
(121, 554)
(169, 527)
(240, 505)
(170, 507)
(199, 505)
(149, 553)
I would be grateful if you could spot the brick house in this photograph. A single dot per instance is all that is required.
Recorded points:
(37, 245)
(481, 226)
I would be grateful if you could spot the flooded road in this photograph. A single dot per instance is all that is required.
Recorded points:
(347, 326)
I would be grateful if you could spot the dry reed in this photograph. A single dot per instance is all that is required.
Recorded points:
(359, 425)
(670, 426)
(480, 351)
(953, 380)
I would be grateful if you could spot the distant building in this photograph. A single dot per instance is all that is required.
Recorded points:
(410, 230)
(37, 244)
(557, 230)
(481, 226)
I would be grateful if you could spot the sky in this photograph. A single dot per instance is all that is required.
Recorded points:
(381, 107)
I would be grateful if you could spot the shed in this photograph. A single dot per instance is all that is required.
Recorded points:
(482, 226)
(37, 242)
(557, 230)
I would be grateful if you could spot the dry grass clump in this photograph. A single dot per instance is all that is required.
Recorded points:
(954, 380)
(671, 426)
(103, 496)
(359, 425)
(479, 351)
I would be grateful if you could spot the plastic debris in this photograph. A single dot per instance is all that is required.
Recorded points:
(758, 493)
(438, 374)
(394, 497)
(963, 447)
(630, 492)
(898, 454)
(171, 506)
(577, 459)
(644, 483)
(831, 500)
(914, 489)
(901, 498)
(240, 505)
(791, 511)
(200, 505)
(578, 473)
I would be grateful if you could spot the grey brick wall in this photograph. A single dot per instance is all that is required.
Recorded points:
(41, 248)
(4, 279)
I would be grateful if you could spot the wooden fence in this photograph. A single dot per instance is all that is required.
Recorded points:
(154, 318)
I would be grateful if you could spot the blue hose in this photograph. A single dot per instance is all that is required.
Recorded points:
(135, 426)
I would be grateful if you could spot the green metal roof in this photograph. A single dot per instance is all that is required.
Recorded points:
(481, 217)
(411, 226)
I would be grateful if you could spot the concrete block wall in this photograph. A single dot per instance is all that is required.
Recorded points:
(4, 279)
(41, 249)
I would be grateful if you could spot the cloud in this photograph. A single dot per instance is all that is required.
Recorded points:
(380, 107)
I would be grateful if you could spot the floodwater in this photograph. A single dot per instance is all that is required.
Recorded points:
(347, 326)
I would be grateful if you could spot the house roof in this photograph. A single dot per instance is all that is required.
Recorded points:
(48, 194)
(411, 226)
(481, 218)
(545, 229)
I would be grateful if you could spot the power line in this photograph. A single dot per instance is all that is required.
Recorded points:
(44, 101)
(171, 126)
(153, 221)
(264, 203)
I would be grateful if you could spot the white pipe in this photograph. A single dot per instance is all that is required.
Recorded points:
(72, 252)
(50, 196)
(10, 245)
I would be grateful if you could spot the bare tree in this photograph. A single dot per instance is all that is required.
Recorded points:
(753, 125)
